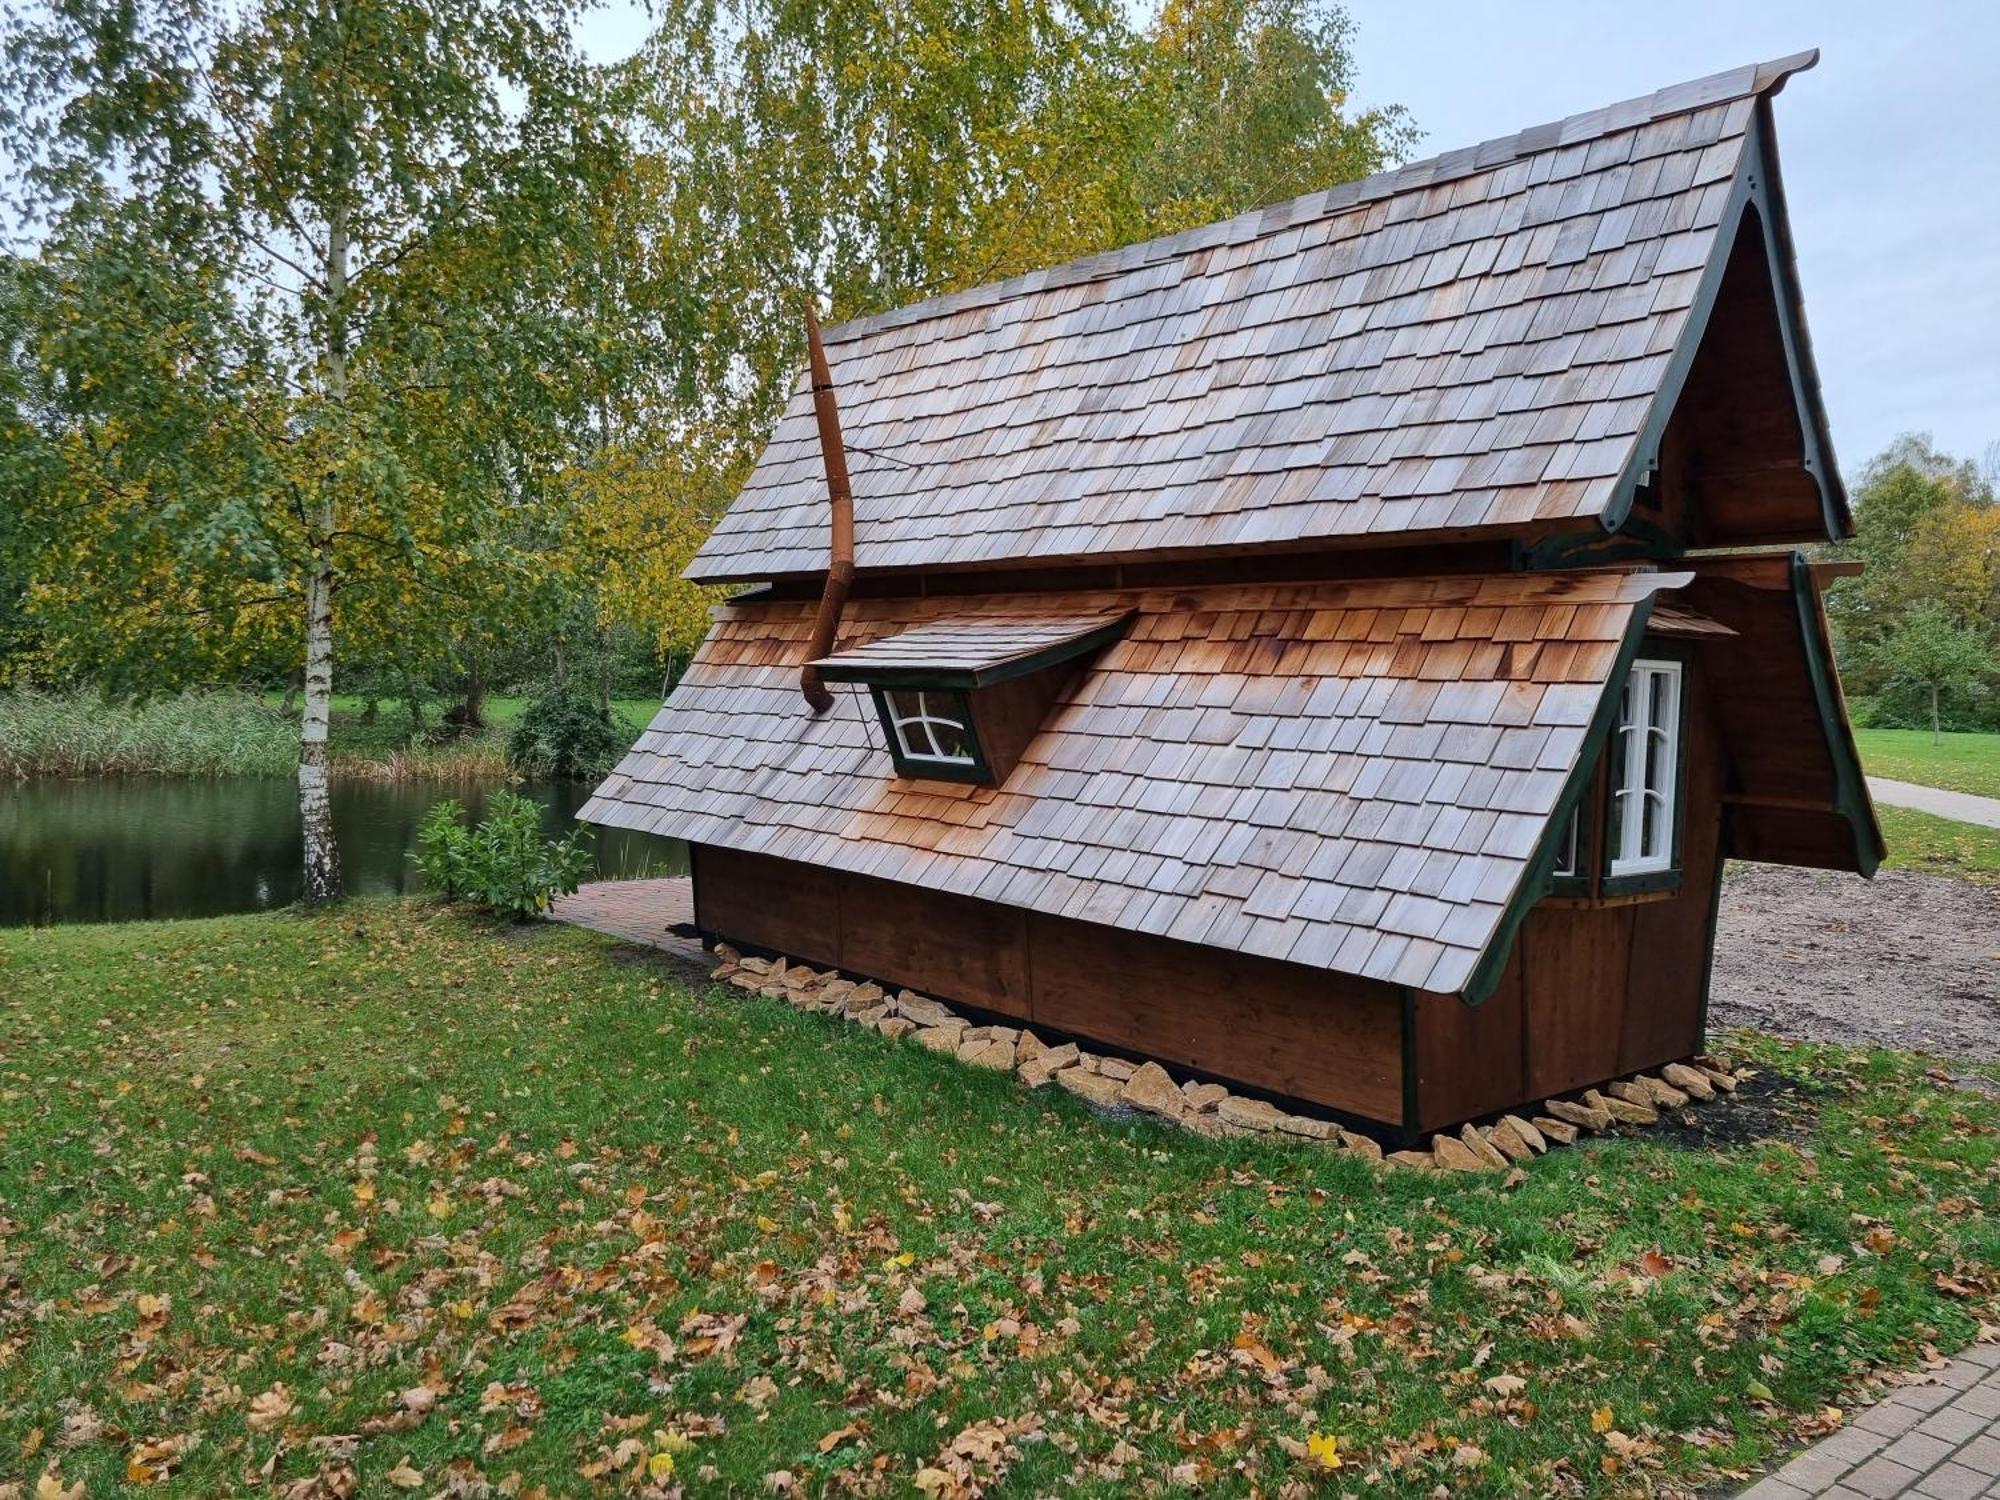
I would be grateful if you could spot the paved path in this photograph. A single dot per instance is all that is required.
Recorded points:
(1962, 807)
(1926, 1442)
(639, 911)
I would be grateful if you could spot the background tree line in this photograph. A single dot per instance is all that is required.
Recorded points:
(1918, 631)
(390, 344)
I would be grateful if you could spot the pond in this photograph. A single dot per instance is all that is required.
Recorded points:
(122, 849)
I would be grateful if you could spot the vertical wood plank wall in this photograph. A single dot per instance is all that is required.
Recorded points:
(1280, 1027)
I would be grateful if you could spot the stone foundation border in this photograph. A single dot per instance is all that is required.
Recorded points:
(1209, 1108)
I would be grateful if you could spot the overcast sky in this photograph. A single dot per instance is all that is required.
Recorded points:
(1890, 150)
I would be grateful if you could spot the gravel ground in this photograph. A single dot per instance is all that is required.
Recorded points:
(1905, 960)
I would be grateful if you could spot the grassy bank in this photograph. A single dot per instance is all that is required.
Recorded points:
(1962, 763)
(240, 734)
(1939, 846)
(384, 1194)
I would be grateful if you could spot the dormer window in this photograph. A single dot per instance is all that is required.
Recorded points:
(931, 725)
(959, 698)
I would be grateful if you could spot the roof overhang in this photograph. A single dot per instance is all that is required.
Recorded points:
(974, 651)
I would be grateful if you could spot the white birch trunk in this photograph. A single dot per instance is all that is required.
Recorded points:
(322, 854)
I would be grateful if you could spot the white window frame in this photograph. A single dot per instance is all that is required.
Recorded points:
(923, 746)
(1641, 736)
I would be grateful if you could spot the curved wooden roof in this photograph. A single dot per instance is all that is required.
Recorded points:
(1476, 343)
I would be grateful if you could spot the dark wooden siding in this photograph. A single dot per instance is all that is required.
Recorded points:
(1288, 1030)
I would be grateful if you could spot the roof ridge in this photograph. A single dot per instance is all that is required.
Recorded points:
(1748, 80)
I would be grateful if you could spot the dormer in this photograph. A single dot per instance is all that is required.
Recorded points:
(959, 698)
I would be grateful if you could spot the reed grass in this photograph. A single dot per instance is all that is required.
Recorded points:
(214, 732)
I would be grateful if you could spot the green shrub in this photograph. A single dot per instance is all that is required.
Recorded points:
(565, 735)
(503, 864)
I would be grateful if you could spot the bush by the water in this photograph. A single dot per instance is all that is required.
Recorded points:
(504, 863)
(566, 735)
(216, 733)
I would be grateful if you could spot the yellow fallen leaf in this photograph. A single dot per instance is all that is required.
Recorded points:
(1601, 1419)
(404, 1476)
(51, 1487)
(766, 1223)
(660, 1467)
(1323, 1448)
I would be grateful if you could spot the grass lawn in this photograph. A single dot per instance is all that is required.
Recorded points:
(392, 1196)
(1963, 763)
(1939, 846)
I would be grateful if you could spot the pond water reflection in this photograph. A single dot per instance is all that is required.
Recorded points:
(128, 848)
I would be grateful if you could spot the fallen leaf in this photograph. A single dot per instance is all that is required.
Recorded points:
(404, 1477)
(271, 1408)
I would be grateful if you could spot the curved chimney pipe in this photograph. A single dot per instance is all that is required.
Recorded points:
(840, 499)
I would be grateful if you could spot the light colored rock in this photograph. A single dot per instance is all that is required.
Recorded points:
(1623, 1110)
(1688, 1080)
(1151, 1090)
(726, 953)
(1212, 1125)
(772, 991)
(1659, 1093)
(1510, 1143)
(924, 1011)
(1360, 1145)
(1722, 1078)
(1454, 1155)
(1536, 1141)
(1011, 1035)
(940, 1038)
(1249, 1114)
(988, 1054)
(756, 965)
(1029, 1047)
(1720, 1062)
(1558, 1132)
(743, 979)
(1421, 1161)
(866, 994)
(724, 971)
(1116, 1067)
(894, 1027)
(1059, 1058)
(874, 1015)
(1582, 1115)
(1488, 1155)
(1036, 1071)
(1092, 1088)
(1308, 1129)
(1203, 1097)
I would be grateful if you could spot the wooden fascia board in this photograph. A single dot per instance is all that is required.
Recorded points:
(1755, 186)
(1851, 797)
(1538, 876)
(965, 679)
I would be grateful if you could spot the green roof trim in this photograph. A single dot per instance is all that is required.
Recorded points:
(1539, 875)
(1850, 784)
(1756, 187)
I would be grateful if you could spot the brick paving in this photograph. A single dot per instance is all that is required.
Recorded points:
(1926, 1442)
(639, 911)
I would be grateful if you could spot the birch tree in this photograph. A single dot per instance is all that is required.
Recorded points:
(299, 325)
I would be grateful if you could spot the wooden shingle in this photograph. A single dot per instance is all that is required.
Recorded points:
(1469, 342)
(1373, 819)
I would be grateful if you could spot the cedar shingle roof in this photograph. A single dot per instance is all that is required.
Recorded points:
(1472, 341)
(971, 651)
(1353, 776)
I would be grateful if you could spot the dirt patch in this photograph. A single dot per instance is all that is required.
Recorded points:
(1765, 1107)
(1907, 960)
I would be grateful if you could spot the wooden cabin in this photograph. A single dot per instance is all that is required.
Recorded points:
(1325, 651)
